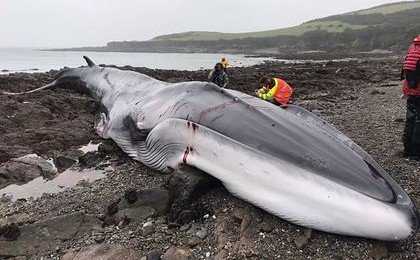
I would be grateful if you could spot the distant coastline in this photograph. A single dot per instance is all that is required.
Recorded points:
(388, 27)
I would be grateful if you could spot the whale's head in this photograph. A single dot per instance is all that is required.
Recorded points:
(75, 78)
(71, 78)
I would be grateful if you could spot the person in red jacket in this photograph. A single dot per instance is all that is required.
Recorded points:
(411, 88)
(275, 90)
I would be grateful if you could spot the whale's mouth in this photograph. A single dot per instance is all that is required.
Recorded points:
(72, 83)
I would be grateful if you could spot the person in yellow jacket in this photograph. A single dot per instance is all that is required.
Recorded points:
(275, 90)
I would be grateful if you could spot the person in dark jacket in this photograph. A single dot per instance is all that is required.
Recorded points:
(411, 88)
(218, 75)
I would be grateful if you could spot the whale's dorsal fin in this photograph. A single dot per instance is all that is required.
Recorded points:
(89, 61)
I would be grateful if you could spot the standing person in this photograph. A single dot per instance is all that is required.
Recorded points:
(275, 90)
(218, 74)
(411, 89)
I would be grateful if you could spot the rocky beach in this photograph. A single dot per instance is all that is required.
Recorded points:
(134, 212)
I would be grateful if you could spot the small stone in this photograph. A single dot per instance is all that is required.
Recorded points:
(99, 239)
(173, 225)
(409, 191)
(266, 227)
(238, 214)
(376, 92)
(176, 254)
(208, 254)
(301, 242)
(148, 223)
(148, 230)
(153, 255)
(206, 216)
(192, 242)
(379, 251)
(184, 227)
(221, 255)
(160, 220)
(201, 234)
(307, 232)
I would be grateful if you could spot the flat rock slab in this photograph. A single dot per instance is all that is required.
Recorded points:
(8, 152)
(24, 169)
(104, 252)
(155, 198)
(137, 206)
(44, 235)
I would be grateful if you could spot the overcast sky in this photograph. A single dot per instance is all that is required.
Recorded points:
(74, 23)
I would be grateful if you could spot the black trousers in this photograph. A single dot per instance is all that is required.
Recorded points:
(411, 137)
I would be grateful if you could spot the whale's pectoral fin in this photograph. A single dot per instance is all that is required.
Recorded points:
(89, 61)
(52, 84)
(100, 125)
(186, 184)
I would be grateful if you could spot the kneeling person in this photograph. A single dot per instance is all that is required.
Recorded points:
(275, 90)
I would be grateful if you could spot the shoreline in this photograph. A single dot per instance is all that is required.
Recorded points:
(359, 97)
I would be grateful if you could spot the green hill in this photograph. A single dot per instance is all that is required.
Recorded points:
(329, 26)
(333, 24)
(390, 8)
(390, 27)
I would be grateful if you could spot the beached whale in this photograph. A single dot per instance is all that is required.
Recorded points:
(287, 161)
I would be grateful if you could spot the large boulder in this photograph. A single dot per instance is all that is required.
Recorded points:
(24, 169)
(8, 152)
(43, 236)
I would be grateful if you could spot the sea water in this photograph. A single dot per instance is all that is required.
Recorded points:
(31, 60)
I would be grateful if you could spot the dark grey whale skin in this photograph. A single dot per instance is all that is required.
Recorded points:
(283, 133)
(293, 134)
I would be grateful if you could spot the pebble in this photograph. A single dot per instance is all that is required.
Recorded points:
(379, 251)
(238, 214)
(301, 242)
(153, 255)
(173, 225)
(99, 239)
(201, 234)
(266, 227)
(148, 230)
(307, 232)
(192, 242)
(185, 227)
(148, 223)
